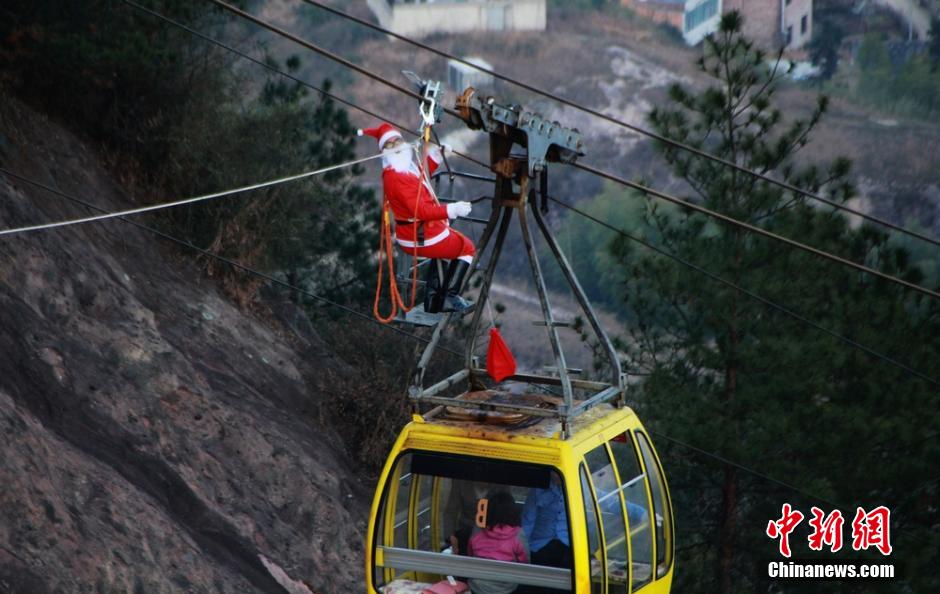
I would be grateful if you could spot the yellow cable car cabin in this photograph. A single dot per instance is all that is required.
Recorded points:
(502, 489)
(606, 479)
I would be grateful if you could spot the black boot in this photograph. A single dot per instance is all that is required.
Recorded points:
(453, 302)
(433, 294)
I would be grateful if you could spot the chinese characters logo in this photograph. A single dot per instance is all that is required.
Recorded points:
(869, 529)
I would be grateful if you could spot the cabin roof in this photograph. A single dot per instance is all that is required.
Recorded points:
(515, 426)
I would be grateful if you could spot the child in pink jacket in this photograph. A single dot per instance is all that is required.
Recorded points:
(501, 540)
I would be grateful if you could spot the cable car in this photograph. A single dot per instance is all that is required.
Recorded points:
(614, 502)
(549, 474)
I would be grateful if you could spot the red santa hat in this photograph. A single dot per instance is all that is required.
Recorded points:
(383, 133)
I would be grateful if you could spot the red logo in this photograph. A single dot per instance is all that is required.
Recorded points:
(869, 529)
(782, 528)
(872, 529)
(826, 531)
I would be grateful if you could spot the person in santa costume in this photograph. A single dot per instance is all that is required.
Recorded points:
(422, 225)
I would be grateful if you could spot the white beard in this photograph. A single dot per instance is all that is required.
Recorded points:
(400, 159)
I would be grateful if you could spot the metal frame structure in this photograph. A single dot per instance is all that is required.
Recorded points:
(510, 127)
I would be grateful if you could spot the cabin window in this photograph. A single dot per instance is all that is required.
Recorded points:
(663, 513)
(610, 503)
(431, 497)
(633, 486)
(598, 577)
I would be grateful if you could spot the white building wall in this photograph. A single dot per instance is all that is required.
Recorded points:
(698, 32)
(461, 17)
(795, 14)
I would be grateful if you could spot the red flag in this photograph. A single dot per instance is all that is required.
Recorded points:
(500, 363)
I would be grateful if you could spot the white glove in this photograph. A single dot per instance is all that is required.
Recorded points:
(458, 209)
(446, 149)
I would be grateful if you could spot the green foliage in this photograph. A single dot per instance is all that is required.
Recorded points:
(585, 244)
(934, 47)
(181, 119)
(317, 233)
(824, 47)
(118, 74)
(732, 376)
(910, 87)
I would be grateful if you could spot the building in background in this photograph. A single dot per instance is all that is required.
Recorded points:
(423, 17)
(776, 23)
(694, 18)
(770, 23)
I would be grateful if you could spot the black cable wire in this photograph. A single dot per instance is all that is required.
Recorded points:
(289, 76)
(597, 172)
(261, 63)
(223, 259)
(761, 475)
(755, 229)
(744, 291)
(676, 441)
(767, 302)
(629, 126)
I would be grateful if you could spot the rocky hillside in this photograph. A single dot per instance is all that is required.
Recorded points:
(155, 438)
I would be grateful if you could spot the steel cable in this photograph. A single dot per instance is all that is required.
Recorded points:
(717, 278)
(678, 442)
(185, 201)
(587, 168)
(639, 130)
(748, 293)
(221, 258)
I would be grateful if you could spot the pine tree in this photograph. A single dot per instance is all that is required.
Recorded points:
(734, 377)
(824, 48)
(934, 43)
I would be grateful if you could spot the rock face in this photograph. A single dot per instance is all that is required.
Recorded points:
(154, 437)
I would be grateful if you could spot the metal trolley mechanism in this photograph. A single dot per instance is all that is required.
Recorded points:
(579, 465)
(516, 176)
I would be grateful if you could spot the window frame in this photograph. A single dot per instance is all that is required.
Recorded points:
(667, 503)
(584, 475)
(625, 516)
(393, 484)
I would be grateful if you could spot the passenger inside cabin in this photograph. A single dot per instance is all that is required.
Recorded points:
(461, 507)
(458, 541)
(502, 540)
(545, 522)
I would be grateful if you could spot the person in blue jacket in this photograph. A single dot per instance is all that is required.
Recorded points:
(545, 523)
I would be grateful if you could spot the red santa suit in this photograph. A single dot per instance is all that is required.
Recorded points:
(421, 222)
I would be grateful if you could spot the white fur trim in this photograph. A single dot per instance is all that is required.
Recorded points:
(427, 242)
(359, 132)
(388, 136)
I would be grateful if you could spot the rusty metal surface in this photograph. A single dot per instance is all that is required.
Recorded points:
(463, 105)
(489, 426)
(508, 167)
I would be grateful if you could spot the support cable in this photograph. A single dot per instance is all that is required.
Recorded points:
(751, 471)
(686, 263)
(633, 127)
(223, 259)
(194, 199)
(750, 294)
(297, 80)
(588, 168)
(755, 229)
(332, 56)
(369, 318)
(261, 63)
